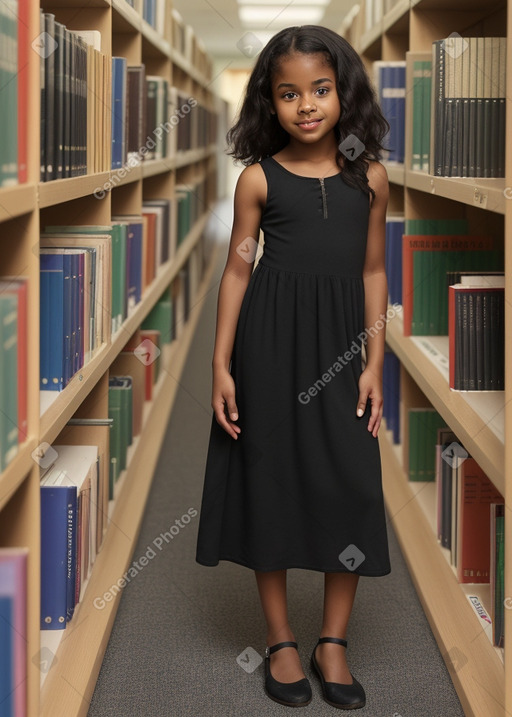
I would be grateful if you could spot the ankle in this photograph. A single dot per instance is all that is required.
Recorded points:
(283, 634)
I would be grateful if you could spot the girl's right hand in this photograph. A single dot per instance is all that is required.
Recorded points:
(223, 402)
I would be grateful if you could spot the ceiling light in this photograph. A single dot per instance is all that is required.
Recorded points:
(252, 15)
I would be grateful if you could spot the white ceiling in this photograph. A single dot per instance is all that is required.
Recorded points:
(217, 24)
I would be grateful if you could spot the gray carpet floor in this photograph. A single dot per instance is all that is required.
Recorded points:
(179, 645)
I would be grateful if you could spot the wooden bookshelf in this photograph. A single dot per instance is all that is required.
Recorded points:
(25, 210)
(481, 673)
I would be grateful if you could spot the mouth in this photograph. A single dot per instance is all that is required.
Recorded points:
(309, 124)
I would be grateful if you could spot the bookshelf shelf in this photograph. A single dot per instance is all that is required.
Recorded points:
(65, 190)
(481, 673)
(475, 666)
(396, 173)
(17, 470)
(479, 439)
(397, 18)
(25, 210)
(18, 200)
(475, 191)
(69, 684)
(70, 398)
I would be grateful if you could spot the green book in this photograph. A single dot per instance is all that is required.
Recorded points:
(499, 577)
(417, 115)
(9, 94)
(423, 426)
(427, 102)
(160, 318)
(8, 378)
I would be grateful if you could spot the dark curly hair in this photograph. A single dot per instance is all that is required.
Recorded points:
(257, 132)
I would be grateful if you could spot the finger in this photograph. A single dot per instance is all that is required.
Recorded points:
(375, 416)
(231, 408)
(222, 420)
(361, 403)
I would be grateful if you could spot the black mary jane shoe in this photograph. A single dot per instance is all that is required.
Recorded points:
(345, 697)
(291, 694)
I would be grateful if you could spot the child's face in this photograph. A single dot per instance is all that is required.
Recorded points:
(305, 98)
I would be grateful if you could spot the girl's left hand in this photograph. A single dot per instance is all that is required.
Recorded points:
(370, 387)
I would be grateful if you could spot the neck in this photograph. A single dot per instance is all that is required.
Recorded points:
(322, 151)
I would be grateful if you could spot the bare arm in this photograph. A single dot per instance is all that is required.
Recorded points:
(249, 201)
(376, 294)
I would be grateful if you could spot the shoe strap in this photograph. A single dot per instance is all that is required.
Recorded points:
(278, 646)
(337, 640)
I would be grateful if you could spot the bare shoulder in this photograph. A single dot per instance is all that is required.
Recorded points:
(252, 184)
(377, 176)
(378, 181)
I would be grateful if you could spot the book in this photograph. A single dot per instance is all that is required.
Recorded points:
(497, 573)
(475, 494)
(424, 424)
(69, 498)
(467, 113)
(9, 422)
(426, 259)
(389, 80)
(13, 629)
(477, 334)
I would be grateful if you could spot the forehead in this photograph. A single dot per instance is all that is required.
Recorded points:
(302, 68)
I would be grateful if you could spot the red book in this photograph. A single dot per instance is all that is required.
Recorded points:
(412, 243)
(23, 81)
(151, 367)
(151, 248)
(475, 495)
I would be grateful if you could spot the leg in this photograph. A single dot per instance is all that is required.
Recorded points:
(340, 590)
(285, 663)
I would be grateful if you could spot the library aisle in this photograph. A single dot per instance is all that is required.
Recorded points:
(180, 626)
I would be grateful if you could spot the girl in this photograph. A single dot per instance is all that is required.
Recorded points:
(293, 477)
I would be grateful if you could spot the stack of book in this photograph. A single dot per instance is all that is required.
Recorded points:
(71, 523)
(468, 108)
(470, 521)
(476, 308)
(74, 105)
(389, 79)
(426, 260)
(13, 367)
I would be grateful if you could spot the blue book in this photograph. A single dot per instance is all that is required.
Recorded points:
(394, 231)
(6, 657)
(118, 111)
(55, 320)
(57, 505)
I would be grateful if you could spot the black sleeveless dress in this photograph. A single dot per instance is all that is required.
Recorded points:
(301, 487)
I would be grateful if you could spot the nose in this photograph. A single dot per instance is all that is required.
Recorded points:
(306, 106)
